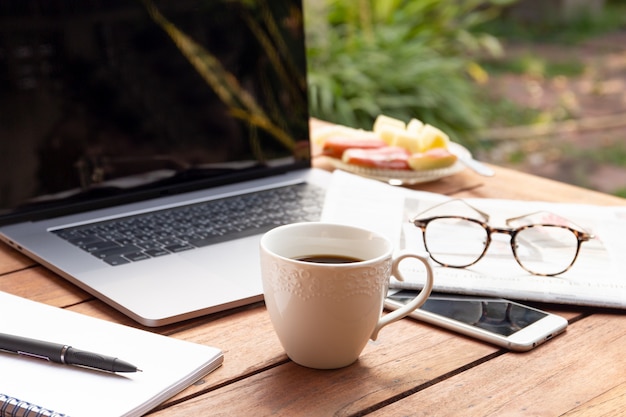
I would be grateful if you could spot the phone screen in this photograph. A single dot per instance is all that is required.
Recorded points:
(492, 314)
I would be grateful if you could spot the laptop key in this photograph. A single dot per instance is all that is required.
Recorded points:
(116, 260)
(178, 247)
(115, 251)
(136, 256)
(150, 245)
(100, 246)
(84, 241)
(157, 252)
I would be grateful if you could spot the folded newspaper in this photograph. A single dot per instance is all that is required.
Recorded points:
(597, 277)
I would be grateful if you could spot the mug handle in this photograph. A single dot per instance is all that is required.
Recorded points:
(413, 304)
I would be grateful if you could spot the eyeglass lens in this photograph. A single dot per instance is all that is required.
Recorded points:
(540, 249)
(454, 241)
(546, 250)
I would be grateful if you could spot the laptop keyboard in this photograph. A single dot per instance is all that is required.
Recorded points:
(138, 237)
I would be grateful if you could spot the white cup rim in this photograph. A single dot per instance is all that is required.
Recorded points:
(336, 227)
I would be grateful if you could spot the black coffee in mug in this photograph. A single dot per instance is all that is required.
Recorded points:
(329, 259)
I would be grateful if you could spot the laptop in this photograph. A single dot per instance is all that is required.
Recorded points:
(126, 114)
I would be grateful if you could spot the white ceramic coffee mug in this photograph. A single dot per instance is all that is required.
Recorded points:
(324, 313)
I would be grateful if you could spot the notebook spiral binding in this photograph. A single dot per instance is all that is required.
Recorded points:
(13, 407)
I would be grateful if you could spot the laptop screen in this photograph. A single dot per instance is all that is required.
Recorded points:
(102, 101)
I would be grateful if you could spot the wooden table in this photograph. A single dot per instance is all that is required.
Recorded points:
(412, 369)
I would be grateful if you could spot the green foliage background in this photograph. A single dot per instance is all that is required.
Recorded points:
(402, 58)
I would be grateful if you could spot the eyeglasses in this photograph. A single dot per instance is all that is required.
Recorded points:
(541, 249)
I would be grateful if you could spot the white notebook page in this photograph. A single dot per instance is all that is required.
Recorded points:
(168, 365)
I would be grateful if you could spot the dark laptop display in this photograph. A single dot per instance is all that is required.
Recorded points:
(109, 101)
(146, 145)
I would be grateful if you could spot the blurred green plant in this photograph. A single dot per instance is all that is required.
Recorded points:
(620, 192)
(402, 58)
(535, 66)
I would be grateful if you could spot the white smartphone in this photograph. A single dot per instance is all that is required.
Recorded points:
(502, 322)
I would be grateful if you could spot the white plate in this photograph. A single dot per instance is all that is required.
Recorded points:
(401, 176)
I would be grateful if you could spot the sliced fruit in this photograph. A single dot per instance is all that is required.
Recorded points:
(389, 133)
(335, 146)
(431, 159)
(432, 137)
(320, 135)
(389, 157)
(407, 140)
(395, 136)
(383, 122)
(415, 127)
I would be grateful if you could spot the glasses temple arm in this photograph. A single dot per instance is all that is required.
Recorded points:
(482, 213)
(584, 234)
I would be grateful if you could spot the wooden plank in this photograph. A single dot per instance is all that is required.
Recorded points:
(248, 341)
(609, 404)
(100, 310)
(464, 181)
(43, 285)
(517, 185)
(582, 366)
(407, 355)
(11, 260)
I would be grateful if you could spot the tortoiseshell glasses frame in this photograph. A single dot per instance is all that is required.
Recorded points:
(542, 249)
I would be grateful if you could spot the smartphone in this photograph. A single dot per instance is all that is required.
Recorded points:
(502, 322)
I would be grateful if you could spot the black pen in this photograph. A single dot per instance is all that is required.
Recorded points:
(59, 353)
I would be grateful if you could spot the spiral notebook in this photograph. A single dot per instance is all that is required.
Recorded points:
(14, 407)
(33, 387)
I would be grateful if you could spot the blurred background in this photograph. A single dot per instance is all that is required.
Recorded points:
(535, 85)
